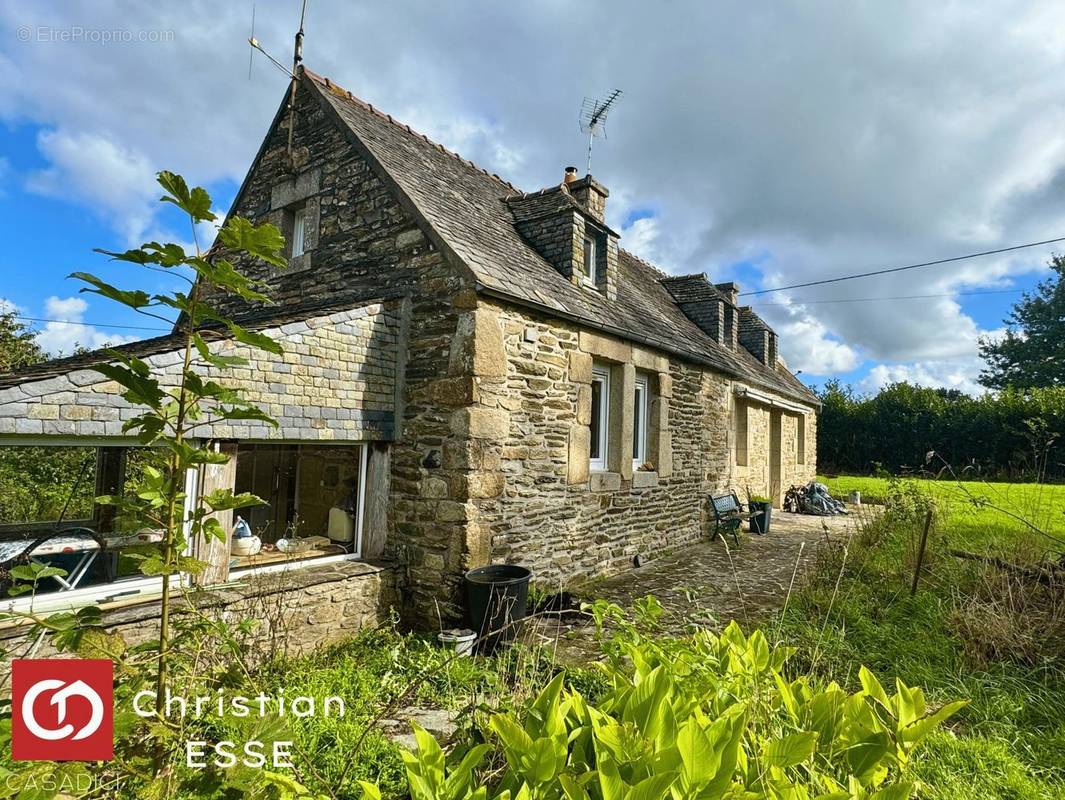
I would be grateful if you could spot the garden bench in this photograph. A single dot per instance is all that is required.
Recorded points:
(728, 514)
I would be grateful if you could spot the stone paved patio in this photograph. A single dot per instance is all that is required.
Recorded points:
(708, 582)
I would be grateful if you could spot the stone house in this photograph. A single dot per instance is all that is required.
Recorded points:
(471, 373)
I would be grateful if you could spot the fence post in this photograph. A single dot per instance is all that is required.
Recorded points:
(920, 552)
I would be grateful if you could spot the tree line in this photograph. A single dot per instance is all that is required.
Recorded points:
(1013, 432)
(1010, 434)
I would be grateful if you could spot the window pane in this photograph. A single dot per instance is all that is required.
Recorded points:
(308, 491)
(299, 223)
(637, 423)
(595, 450)
(589, 258)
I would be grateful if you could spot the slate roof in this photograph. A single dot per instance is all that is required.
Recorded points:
(473, 215)
(468, 209)
(692, 288)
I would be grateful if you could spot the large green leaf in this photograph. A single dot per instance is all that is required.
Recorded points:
(196, 203)
(135, 298)
(140, 390)
(790, 750)
(261, 241)
(254, 338)
(699, 758)
(916, 731)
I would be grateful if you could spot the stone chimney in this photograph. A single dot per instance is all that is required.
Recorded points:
(731, 292)
(590, 193)
(704, 305)
(758, 338)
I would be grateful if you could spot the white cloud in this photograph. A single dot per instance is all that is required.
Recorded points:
(814, 139)
(641, 239)
(935, 374)
(118, 183)
(67, 332)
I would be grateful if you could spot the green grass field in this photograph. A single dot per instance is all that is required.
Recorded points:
(967, 633)
(982, 516)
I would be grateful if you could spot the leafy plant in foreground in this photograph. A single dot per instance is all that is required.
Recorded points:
(174, 413)
(707, 716)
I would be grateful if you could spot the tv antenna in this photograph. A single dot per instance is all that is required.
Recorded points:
(593, 119)
(293, 74)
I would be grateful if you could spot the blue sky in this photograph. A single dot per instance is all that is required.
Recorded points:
(809, 141)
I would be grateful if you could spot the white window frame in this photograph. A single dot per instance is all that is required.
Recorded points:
(640, 418)
(299, 232)
(123, 589)
(601, 374)
(590, 258)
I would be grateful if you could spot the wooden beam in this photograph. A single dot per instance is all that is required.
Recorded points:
(216, 553)
(375, 504)
(110, 475)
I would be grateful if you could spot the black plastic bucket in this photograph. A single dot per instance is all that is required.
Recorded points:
(498, 598)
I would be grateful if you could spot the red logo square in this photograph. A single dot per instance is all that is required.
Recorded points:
(62, 710)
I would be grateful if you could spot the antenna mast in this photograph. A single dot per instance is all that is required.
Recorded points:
(593, 119)
(294, 73)
(297, 62)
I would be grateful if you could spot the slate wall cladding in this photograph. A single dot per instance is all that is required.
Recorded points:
(335, 380)
(535, 515)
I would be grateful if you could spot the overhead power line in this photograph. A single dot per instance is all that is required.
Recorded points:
(93, 324)
(903, 269)
(800, 302)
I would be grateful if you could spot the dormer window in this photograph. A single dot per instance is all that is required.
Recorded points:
(590, 259)
(299, 232)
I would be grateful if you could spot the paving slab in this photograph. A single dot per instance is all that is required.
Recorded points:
(710, 583)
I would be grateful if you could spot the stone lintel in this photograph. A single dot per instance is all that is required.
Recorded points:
(605, 347)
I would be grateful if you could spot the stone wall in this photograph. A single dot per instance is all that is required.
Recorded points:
(298, 610)
(363, 240)
(335, 380)
(755, 475)
(547, 511)
(360, 240)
